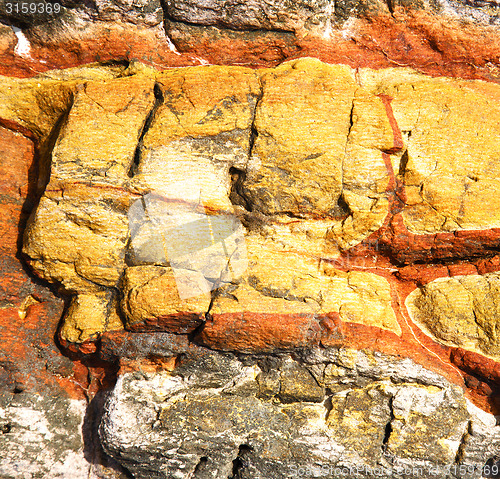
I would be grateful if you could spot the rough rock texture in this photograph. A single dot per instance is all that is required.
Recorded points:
(462, 311)
(127, 217)
(285, 214)
(328, 413)
(41, 436)
(445, 36)
(43, 404)
(288, 268)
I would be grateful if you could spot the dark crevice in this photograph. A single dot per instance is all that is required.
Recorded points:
(431, 260)
(5, 428)
(351, 124)
(201, 467)
(388, 428)
(328, 403)
(253, 130)
(240, 462)
(387, 435)
(199, 329)
(145, 128)
(116, 63)
(237, 194)
(93, 449)
(390, 6)
(403, 164)
(351, 119)
(434, 45)
(341, 209)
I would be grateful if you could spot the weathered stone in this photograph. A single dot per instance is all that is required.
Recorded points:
(298, 167)
(152, 303)
(89, 315)
(283, 296)
(160, 187)
(78, 236)
(429, 415)
(460, 311)
(40, 104)
(365, 177)
(228, 146)
(438, 39)
(307, 14)
(299, 385)
(17, 153)
(124, 344)
(108, 118)
(186, 424)
(445, 181)
(41, 436)
(276, 15)
(269, 384)
(142, 12)
(304, 203)
(356, 417)
(42, 393)
(259, 332)
(248, 48)
(137, 12)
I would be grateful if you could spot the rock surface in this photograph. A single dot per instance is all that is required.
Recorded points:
(128, 217)
(289, 268)
(332, 413)
(43, 408)
(41, 437)
(461, 311)
(443, 37)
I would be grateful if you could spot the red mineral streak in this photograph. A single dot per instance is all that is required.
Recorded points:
(100, 42)
(394, 240)
(179, 323)
(396, 132)
(267, 332)
(29, 311)
(432, 44)
(143, 365)
(263, 332)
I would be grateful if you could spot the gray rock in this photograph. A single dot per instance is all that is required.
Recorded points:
(276, 15)
(37, 12)
(140, 12)
(52, 437)
(41, 437)
(219, 416)
(286, 15)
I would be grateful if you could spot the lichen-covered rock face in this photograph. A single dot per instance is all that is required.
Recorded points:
(273, 224)
(461, 311)
(240, 202)
(291, 269)
(41, 436)
(219, 416)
